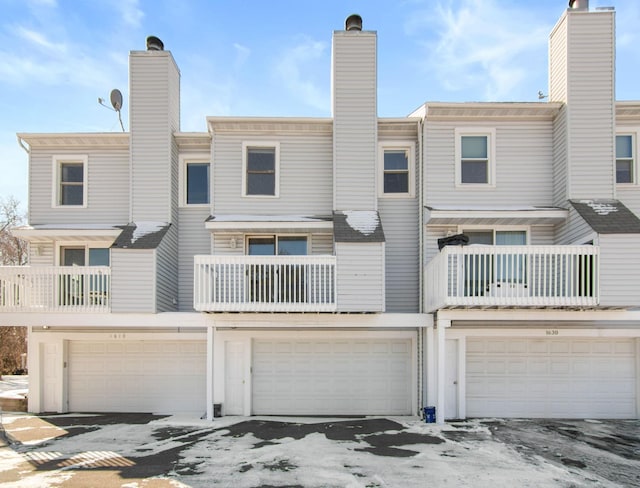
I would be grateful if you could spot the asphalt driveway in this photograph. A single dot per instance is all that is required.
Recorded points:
(139, 450)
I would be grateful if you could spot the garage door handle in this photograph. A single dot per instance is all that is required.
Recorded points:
(455, 382)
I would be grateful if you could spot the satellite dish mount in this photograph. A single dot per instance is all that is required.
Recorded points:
(116, 102)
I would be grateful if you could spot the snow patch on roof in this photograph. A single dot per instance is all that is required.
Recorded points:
(363, 221)
(601, 208)
(145, 228)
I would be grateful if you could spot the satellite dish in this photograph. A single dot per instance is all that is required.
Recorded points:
(116, 99)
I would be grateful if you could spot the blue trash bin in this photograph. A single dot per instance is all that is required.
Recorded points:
(429, 415)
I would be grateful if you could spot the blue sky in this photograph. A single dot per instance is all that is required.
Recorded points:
(270, 58)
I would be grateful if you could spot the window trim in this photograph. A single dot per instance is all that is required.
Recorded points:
(60, 245)
(267, 144)
(397, 145)
(186, 159)
(497, 228)
(633, 132)
(56, 194)
(490, 133)
(276, 236)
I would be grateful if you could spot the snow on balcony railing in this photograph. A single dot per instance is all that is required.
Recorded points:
(55, 288)
(265, 283)
(479, 275)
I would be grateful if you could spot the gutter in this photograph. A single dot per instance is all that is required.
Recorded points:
(21, 143)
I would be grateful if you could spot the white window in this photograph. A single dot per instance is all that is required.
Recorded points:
(195, 180)
(475, 157)
(625, 158)
(396, 169)
(69, 181)
(260, 169)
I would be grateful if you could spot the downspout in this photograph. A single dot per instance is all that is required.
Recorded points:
(27, 149)
(420, 218)
(21, 143)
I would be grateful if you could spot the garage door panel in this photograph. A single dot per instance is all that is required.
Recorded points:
(574, 378)
(141, 376)
(333, 377)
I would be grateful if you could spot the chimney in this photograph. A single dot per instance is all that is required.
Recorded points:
(354, 111)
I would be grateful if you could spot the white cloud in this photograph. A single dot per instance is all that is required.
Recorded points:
(39, 40)
(242, 54)
(130, 11)
(293, 70)
(480, 46)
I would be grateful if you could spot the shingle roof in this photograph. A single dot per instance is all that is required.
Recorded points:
(607, 216)
(141, 235)
(357, 226)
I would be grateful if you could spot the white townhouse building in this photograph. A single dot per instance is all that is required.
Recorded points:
(479, 257)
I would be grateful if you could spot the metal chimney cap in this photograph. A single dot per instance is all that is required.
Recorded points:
(579, 4)
(154, 44)
(353, 23)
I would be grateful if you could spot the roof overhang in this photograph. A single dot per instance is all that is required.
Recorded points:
(488, 110)
(263, 223)
(470, 215)
(68, 232)
(317, 125)
(103, 140)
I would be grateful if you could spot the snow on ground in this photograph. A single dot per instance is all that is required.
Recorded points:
(244, 452)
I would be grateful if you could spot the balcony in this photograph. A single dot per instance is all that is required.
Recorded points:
(265, 283)
(513, 276)
(55, 289)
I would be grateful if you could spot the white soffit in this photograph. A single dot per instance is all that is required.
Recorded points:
(239, 223)
(450, 215)
(49, 232)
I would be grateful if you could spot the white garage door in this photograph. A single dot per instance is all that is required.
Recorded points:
(137, 376)
(332, 377)
(551, 378)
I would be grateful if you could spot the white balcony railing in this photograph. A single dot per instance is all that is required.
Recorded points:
(533, 276)
(55, 288)
(265, 283)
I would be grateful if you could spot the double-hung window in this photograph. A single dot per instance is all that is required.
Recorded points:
(396, 169)
(260, 169)
(625, 161)
(475, 163)
(70, 181)
(195, 177)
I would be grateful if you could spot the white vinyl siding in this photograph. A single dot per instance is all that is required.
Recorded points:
(523, 165)
(167, 272)
(551, 378)
(360, 276)
(619, 270)
(574, 231)
(355, 120)
(154, 115)
(305, 175)
(399, 219)
(133, 278)
(332, 377)
(106, 185)
(560, 157)
(193, 239)
(583, 77)
(137, 376)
